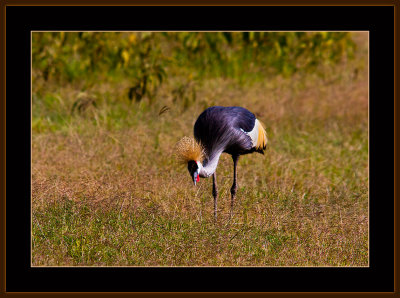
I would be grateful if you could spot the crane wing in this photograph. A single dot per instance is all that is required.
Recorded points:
(224, 129)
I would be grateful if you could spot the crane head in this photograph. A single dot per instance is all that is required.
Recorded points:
(194, 171)
(189, 151)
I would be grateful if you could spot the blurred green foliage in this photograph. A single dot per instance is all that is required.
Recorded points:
(233, 54)
(149, 58)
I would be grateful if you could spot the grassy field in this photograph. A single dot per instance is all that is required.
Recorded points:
(107, 191)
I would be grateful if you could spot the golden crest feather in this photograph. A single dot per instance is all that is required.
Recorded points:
(188, 149)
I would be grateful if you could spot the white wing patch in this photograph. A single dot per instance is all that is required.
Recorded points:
(253, 134)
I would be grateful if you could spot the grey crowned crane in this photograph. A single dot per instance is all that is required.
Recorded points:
(233, 130)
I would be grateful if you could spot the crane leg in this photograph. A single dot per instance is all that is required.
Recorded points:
(215, 194)
(234, 185)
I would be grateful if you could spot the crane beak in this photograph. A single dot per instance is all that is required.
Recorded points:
(196, 178)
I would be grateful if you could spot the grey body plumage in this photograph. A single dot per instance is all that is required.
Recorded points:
(224, 129)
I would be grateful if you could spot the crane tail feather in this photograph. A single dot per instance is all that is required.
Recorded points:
(262, 137)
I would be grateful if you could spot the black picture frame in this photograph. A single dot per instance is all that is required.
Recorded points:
(20, 20)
